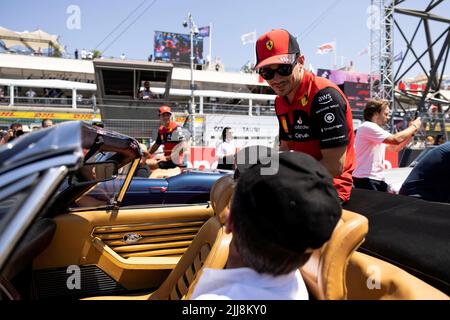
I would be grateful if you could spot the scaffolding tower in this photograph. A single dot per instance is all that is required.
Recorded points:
(383, 80)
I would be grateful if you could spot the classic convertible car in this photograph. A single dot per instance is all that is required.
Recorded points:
(188, 187)
(58, 240)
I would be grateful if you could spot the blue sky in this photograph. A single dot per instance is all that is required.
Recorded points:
(316, 22)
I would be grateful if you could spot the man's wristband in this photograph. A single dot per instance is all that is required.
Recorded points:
(414, 126)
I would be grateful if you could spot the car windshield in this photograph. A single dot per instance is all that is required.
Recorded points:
(103, 194)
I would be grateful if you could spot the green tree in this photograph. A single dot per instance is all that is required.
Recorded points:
(96, 53)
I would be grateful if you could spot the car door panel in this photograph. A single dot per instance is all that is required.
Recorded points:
(136, 248)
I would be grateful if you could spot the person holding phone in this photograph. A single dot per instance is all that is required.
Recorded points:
(15, 131)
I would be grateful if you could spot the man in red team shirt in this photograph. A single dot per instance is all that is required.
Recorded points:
(166, 137)
(314, 115)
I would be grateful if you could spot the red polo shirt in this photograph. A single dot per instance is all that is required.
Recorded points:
(165, 137)
(319, 118)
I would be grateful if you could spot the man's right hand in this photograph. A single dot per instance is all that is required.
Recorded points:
(416, 123)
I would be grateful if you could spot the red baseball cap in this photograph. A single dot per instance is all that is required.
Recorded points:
(276, 47)
(165, 109)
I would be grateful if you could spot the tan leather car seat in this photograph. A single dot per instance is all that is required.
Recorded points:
(325, 271)
(208, 249)
(393, 283)
(220, 195)
(164, 173)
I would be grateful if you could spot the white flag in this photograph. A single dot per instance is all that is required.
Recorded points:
(248, 38)
(326, 47)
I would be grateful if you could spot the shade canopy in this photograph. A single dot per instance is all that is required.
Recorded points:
(36, 40)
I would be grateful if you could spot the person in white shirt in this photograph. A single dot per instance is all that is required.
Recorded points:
(370, 145)
(225, 150)
(84, 54)
(277, 218)
(31, 94)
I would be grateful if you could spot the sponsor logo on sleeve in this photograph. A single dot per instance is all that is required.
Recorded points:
(325, 99)
(304, 101)
(329, 118)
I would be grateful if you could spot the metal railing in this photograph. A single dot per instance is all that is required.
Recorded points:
(238, 109)
(64, 102)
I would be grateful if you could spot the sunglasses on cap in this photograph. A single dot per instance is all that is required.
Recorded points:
(283, 70)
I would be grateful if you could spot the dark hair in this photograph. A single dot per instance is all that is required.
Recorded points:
(256, 251)
(224, 133)
(44, 120)
(15, 125)
(437, 138)
(374, 106)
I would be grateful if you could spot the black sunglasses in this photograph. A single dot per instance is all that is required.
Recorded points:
(283, 70)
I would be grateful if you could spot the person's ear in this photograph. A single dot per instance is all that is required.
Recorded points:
(301, 60)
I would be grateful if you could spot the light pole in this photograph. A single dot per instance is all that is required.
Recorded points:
(193, 30)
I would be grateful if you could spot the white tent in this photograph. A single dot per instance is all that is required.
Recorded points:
(36, 40)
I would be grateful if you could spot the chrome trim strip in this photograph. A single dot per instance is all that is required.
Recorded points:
(28, 211)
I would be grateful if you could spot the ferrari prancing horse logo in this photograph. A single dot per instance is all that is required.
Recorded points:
(269, 45)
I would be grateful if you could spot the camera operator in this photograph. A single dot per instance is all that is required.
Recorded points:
(15, 131)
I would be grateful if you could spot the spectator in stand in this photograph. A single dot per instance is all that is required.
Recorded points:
(31, 94)
(83, 54)
(47, 123)
(47, 95)
(146, 94)
(76, 54)
(79, 98)
(123, 56)
(370, 145)
(90, 55)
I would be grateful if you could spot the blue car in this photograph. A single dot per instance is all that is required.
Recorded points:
(189, 187)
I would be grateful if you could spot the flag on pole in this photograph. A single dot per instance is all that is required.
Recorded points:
(203, 31)
(248, 38)
(326, 48)
(399, 56)
(365, 51)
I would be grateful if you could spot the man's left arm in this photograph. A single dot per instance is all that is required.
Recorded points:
(330, 122)
(334, 159)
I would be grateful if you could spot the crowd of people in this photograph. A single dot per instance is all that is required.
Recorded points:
(44, 96)
(17, 129)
